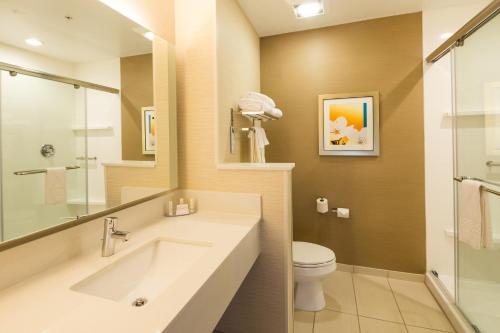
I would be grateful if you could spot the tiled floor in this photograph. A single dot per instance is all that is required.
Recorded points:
(374, 303)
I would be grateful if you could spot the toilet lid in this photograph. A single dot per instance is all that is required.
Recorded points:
(311, 254)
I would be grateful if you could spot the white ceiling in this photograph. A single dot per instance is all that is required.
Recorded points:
(274, 17)
(96, 31)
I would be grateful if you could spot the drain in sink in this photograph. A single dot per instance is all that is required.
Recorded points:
(139, 302)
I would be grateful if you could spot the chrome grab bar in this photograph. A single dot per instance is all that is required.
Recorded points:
(492, 163)
(483, 188)
(32, 172)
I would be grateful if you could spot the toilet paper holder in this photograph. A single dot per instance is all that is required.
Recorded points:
(322, 208)
(343, 213)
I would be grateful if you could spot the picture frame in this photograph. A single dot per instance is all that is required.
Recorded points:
(148, 115)
(349, 124)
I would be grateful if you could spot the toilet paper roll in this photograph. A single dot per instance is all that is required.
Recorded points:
(343, 213)
(322, 205)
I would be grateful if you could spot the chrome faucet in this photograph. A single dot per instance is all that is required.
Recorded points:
(110, 234)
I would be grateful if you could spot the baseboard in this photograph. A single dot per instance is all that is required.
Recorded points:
(444, 299)
(381, 272)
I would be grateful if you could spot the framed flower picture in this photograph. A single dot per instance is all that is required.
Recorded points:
(349, 124)
(148, 130)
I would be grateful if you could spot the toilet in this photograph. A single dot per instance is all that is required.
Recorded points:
(311, 264)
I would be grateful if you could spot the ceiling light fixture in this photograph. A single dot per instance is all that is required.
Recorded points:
(309, 9)
(149, 35)
(33, 42)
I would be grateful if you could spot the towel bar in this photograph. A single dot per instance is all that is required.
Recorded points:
(32, 172)
(483, 188)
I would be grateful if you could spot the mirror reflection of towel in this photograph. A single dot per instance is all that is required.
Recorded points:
(55, 186)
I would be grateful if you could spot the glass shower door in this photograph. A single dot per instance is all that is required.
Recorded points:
(477, 147)
(37, 132)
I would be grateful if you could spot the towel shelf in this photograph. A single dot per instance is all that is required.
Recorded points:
(258, 115)
(483, 188)
(32, 172)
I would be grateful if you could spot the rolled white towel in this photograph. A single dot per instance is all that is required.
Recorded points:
(261, 97)
(251, 104)
(277, 113)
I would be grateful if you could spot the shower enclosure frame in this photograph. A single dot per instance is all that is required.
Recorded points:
(457, 309)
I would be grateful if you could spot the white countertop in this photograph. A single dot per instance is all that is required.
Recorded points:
(193, 303)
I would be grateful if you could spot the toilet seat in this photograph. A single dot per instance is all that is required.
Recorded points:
(309, 255)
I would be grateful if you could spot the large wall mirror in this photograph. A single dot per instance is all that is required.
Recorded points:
(84, 103)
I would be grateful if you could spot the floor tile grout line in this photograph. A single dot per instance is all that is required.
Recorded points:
(314, 322)
(355, 301)
(406, 324)
(430, 329)
(397, 304)
(385, 320)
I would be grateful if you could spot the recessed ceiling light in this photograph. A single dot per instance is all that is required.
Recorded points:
(446, 35)
(149, 35)
(34, 42)
(309, 9)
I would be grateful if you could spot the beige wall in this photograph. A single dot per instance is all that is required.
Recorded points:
(238, 70)
(386, 193)
(263, 303)
(157, 15)
(164, 174)
(136, 93)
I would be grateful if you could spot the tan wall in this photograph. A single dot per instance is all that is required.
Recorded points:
(263, 303)
(238, 58)
(386, 193)
(136, 93)
(164, 174)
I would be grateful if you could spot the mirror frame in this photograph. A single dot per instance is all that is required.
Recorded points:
(162, 190)
(6, 245)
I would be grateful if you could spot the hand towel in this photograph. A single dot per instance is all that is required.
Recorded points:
(55, 186)
(470, 211)
(258, 140)
(487, 227)
(261, 97)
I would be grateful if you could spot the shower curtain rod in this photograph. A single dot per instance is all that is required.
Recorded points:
(14, 70)
(484, 16)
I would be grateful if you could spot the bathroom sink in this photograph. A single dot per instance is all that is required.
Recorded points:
(142, 275)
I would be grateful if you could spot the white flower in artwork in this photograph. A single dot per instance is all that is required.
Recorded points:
(358, 137)
(339, 128)
(340, 133)
(363, 137)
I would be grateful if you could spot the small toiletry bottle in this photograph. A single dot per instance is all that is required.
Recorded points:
(182, 208)
(192, 205)
(170, 208)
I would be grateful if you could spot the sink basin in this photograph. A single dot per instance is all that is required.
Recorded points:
(141, 276)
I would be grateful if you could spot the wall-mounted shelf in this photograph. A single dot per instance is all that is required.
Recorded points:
(472, 114)
(92, 128)
(79, 202)
(451, 233)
